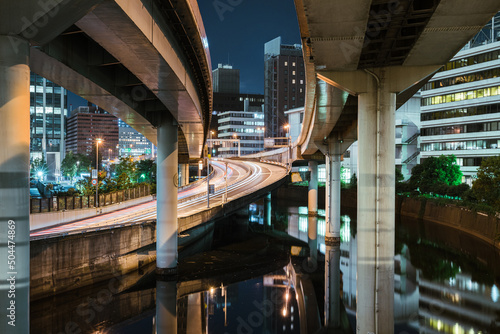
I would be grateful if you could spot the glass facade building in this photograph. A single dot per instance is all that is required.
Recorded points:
(246, 126)
(133, 143)
(460, 108)
(48, 114)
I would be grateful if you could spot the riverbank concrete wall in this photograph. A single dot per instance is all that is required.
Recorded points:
(64, 263)
(478, 224)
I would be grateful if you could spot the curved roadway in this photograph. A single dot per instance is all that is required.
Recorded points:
(244, 177)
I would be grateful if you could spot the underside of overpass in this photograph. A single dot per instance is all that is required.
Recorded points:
(363, 60)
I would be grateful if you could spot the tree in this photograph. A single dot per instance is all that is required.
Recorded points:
(434, 172)
(127, 166)
(146, 171)
(353, 184)
(123, 181)
(74, 164)
(487, 185)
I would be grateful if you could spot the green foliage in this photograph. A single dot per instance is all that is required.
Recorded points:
(486, 188)
(353, 184)
(123, 181)
(399, 176)
(74, 164)
(145, 171)
(127, 166)
(435, 172)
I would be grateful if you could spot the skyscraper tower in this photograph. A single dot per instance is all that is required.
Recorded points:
(284, 84)
(48, 114)
(226, 79)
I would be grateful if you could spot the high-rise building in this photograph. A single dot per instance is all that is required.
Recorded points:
(284, 84)
(85, 125)
(226, 79)
(132, 142)
(233, 101)
(247, 126)
(48, 113)
(460, 108)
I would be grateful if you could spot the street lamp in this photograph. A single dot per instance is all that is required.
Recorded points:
(97, 142)
(288, 143)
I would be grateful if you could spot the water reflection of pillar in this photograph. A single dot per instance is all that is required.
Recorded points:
(166, 307)
(267, 209)
(332, 235)
(312, 205)
(332, 285)
(194, 314)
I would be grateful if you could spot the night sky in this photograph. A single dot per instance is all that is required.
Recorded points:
(239, 31)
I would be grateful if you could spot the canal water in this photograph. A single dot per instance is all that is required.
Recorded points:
(445, 282)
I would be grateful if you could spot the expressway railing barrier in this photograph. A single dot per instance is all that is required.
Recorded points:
(62, 203)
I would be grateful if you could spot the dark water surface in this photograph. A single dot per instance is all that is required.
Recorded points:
(445, 282)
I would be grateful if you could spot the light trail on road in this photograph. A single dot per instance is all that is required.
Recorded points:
(243, 178)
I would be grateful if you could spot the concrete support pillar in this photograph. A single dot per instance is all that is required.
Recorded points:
(267, 209)
(376, 90)
(312, 204)
(376, 187)
(186, 173)
(166, 196)
(14, 184)
(166, 306)
(332, 235)
(183, 174)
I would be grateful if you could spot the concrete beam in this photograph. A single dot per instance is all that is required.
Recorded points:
(397, 78)
(137, 35)
(40, 21)
(453, 24)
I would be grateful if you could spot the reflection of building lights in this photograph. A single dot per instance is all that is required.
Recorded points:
(287, 295)
(439, 325)
(457, 329)
(494, 293)
(284, 311)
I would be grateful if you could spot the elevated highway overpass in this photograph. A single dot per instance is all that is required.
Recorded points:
(146, 62)
(363, 59)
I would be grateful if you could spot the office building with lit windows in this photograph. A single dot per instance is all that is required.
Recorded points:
(48, 113)
(460, 108)
(284, 84)
(88, 123)
(247, 126)
(133, 143)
